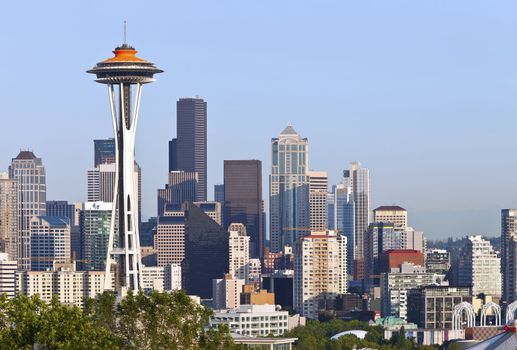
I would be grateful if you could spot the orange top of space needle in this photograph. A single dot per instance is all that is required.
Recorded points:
(124, 53)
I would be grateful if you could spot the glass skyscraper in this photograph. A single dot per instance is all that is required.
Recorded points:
(289, 189)
(344, 216)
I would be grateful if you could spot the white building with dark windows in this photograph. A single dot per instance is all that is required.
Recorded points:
(253, 320)
(480, 267)
(7, 275)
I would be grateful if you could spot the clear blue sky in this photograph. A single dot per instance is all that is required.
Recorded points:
(424, 93)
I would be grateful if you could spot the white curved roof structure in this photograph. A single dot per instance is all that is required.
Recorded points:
(358, 333)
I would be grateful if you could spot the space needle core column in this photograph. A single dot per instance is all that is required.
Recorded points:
(120, 73)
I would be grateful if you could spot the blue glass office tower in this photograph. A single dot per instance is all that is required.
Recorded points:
(289, 189)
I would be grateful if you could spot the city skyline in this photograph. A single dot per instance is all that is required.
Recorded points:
(435, 145)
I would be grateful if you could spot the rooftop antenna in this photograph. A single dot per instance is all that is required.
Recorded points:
(125, 32)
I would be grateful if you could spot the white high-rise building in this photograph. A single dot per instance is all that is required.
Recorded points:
(480, 267)
(318, 189)
(29, 173)
(7, 275)
(509, 254)
(288, 189)
(239, 251)
(319, 270)
(9, 215)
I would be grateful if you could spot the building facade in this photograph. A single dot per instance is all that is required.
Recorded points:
(393, 214)
(480, 267)
(8, 269)
(226, 292)
(50, 242)
(243, 200)
(94, 227)
(252, 320)
(188, 152)
(239, 251)
(318, 191)
(29, 173)
(438, 261)
(103, 151)
(509, 254)
(182, 187)
(319, 271)
(9, 216)
(289, 189)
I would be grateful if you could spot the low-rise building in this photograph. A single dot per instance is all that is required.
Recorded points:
(70, 286)
(7, 276)
(226, 292)
(251, 296)
(253, 320)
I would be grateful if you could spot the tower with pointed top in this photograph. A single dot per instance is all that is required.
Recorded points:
(121, 73)
(288, 189)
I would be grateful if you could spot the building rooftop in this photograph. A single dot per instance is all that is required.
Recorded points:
(389, 208)
(171, 220)
(25, 155)
(56, 221)
(289, 130)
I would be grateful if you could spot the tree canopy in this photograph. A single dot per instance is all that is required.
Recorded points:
(156, 321)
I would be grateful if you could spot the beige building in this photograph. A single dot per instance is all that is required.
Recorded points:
(391, 214)
(239, 251)
(212, 209)
(226, 292)
(70, 286)
(319, 270)
(318, 190)
(7, 275)
(170, 239)
(8, 216)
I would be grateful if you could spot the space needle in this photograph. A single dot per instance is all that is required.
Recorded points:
(124, 74)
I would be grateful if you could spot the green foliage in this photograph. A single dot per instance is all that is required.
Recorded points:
(316, 335)
(156, 321)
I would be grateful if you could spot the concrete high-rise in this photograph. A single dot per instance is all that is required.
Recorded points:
(9, 216)
(7, 276)
(239, 252)
(243, 200)
(509, 255)
(182, 187)
(188, 151)
(318, 189)
(288, 189)
(122, 72)
(391, 214)
(319, 271)
(65, 209)
(50, 242)
(29, 173)
(480, 267)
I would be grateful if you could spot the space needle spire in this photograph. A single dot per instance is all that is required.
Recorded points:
(124, 74)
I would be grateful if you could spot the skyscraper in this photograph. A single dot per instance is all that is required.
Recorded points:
(29, 173)
(243, 200)
(94, 228)
(359, 179)
(50, 242)
(101, 183)
(391, 214)
(319, 271)
(104, 151)
(239, 254)
(188, 152)
(206, 252)
(182, 187)
(123, 71)
(480, 267)
(288, 189)
(344, 216)
(64, 209)
(9, 216)
(318, 188)
(509, 254)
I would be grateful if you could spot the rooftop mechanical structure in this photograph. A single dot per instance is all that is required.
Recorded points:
(123, 73)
